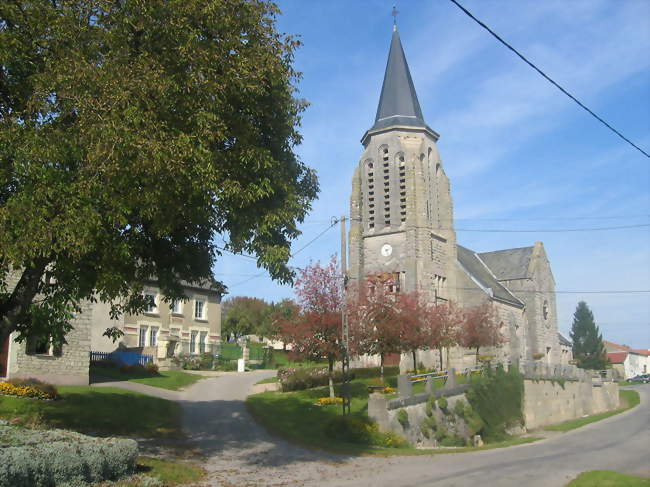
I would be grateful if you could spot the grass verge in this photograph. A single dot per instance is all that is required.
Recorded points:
(270, 380)
(607, 478)
(106, 411)
(172, 380)
(628, 399)
(170, 473)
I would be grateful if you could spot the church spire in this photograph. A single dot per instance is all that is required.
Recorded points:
(398, 104)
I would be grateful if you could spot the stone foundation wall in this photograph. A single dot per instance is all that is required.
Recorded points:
(386, 413)
(549, 402)
(71, 368)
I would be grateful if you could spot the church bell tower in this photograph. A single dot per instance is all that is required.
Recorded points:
(401, 208)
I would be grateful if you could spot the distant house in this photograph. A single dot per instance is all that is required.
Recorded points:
(629, 363)
(191, 326)
(166, 329)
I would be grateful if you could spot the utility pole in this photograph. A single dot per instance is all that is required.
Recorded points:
(346, 326)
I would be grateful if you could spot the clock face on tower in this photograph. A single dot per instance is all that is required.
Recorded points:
(386, 250)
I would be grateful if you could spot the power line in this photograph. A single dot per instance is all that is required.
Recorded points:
(538, 230)
(334, 222)
(553, 230)
(455, 2)
(238, 254)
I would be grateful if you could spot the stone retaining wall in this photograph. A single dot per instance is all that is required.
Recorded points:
(548, 402)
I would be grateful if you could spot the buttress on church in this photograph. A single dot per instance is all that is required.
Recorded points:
(402, 225)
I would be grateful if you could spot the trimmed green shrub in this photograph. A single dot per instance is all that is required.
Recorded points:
(30, 458)
(430, 404)
(389, 440)
(459, 409)
(442, 404)
(425, 430)
(497, 397)
(452, 440)
(403, 418)
(300, 378)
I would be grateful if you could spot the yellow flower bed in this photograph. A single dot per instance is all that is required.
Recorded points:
(327, 401)
(23, 391)
(388, 390)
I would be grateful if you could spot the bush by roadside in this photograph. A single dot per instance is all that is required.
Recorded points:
(301, 378)
(47, 458)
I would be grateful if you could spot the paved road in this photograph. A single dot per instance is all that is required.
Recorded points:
(236, 451)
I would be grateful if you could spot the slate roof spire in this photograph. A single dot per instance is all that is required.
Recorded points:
(398, 104)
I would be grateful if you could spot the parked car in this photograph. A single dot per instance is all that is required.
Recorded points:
(644, 378)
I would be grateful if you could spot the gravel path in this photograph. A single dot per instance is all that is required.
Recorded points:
(238, 452)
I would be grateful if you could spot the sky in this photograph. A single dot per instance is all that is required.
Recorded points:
(519, 154)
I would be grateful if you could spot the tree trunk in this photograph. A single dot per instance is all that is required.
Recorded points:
(477, 355)
(415, 365)
(330, 361)
(440, 353)
(381, 366)
(16, 306)
(447, 350)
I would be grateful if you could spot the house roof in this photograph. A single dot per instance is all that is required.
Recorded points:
(509, 263)
(642, 351)
(617, 357)
(615, 346)
(398, 103)
(472, 263)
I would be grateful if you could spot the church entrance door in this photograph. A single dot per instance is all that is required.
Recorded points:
(4, 357)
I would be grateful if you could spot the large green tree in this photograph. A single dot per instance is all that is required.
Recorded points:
(132, 133)
(588, 347)
(243, 315)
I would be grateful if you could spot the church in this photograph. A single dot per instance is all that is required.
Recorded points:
(402, 225)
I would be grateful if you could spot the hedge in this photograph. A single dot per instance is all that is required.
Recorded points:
(33, 458)
(300, 378)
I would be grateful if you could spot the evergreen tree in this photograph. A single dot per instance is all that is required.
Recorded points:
(588, 347)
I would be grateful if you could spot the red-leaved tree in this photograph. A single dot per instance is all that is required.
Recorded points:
(481, 328)
(442, 326)
(383, 320)
(316, 332)
(412, 313)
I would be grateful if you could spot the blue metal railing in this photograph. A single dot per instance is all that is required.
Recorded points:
(121, 358)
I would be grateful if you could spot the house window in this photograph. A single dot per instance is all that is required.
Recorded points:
(202, 340)
(153, 336)
(193, 342)
(199, 309)
(142, 338)
(177, 307)
(42, 346)
(151, 303)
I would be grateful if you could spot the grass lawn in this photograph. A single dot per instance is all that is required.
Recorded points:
(270, 380)
(294, 416)
(628, 398)
(107, 411)
(606, 478)
(173, 380)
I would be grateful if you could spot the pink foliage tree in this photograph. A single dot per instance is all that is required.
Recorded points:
(481, 328)
(316, 332)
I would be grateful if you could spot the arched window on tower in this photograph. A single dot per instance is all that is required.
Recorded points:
(383, 153)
